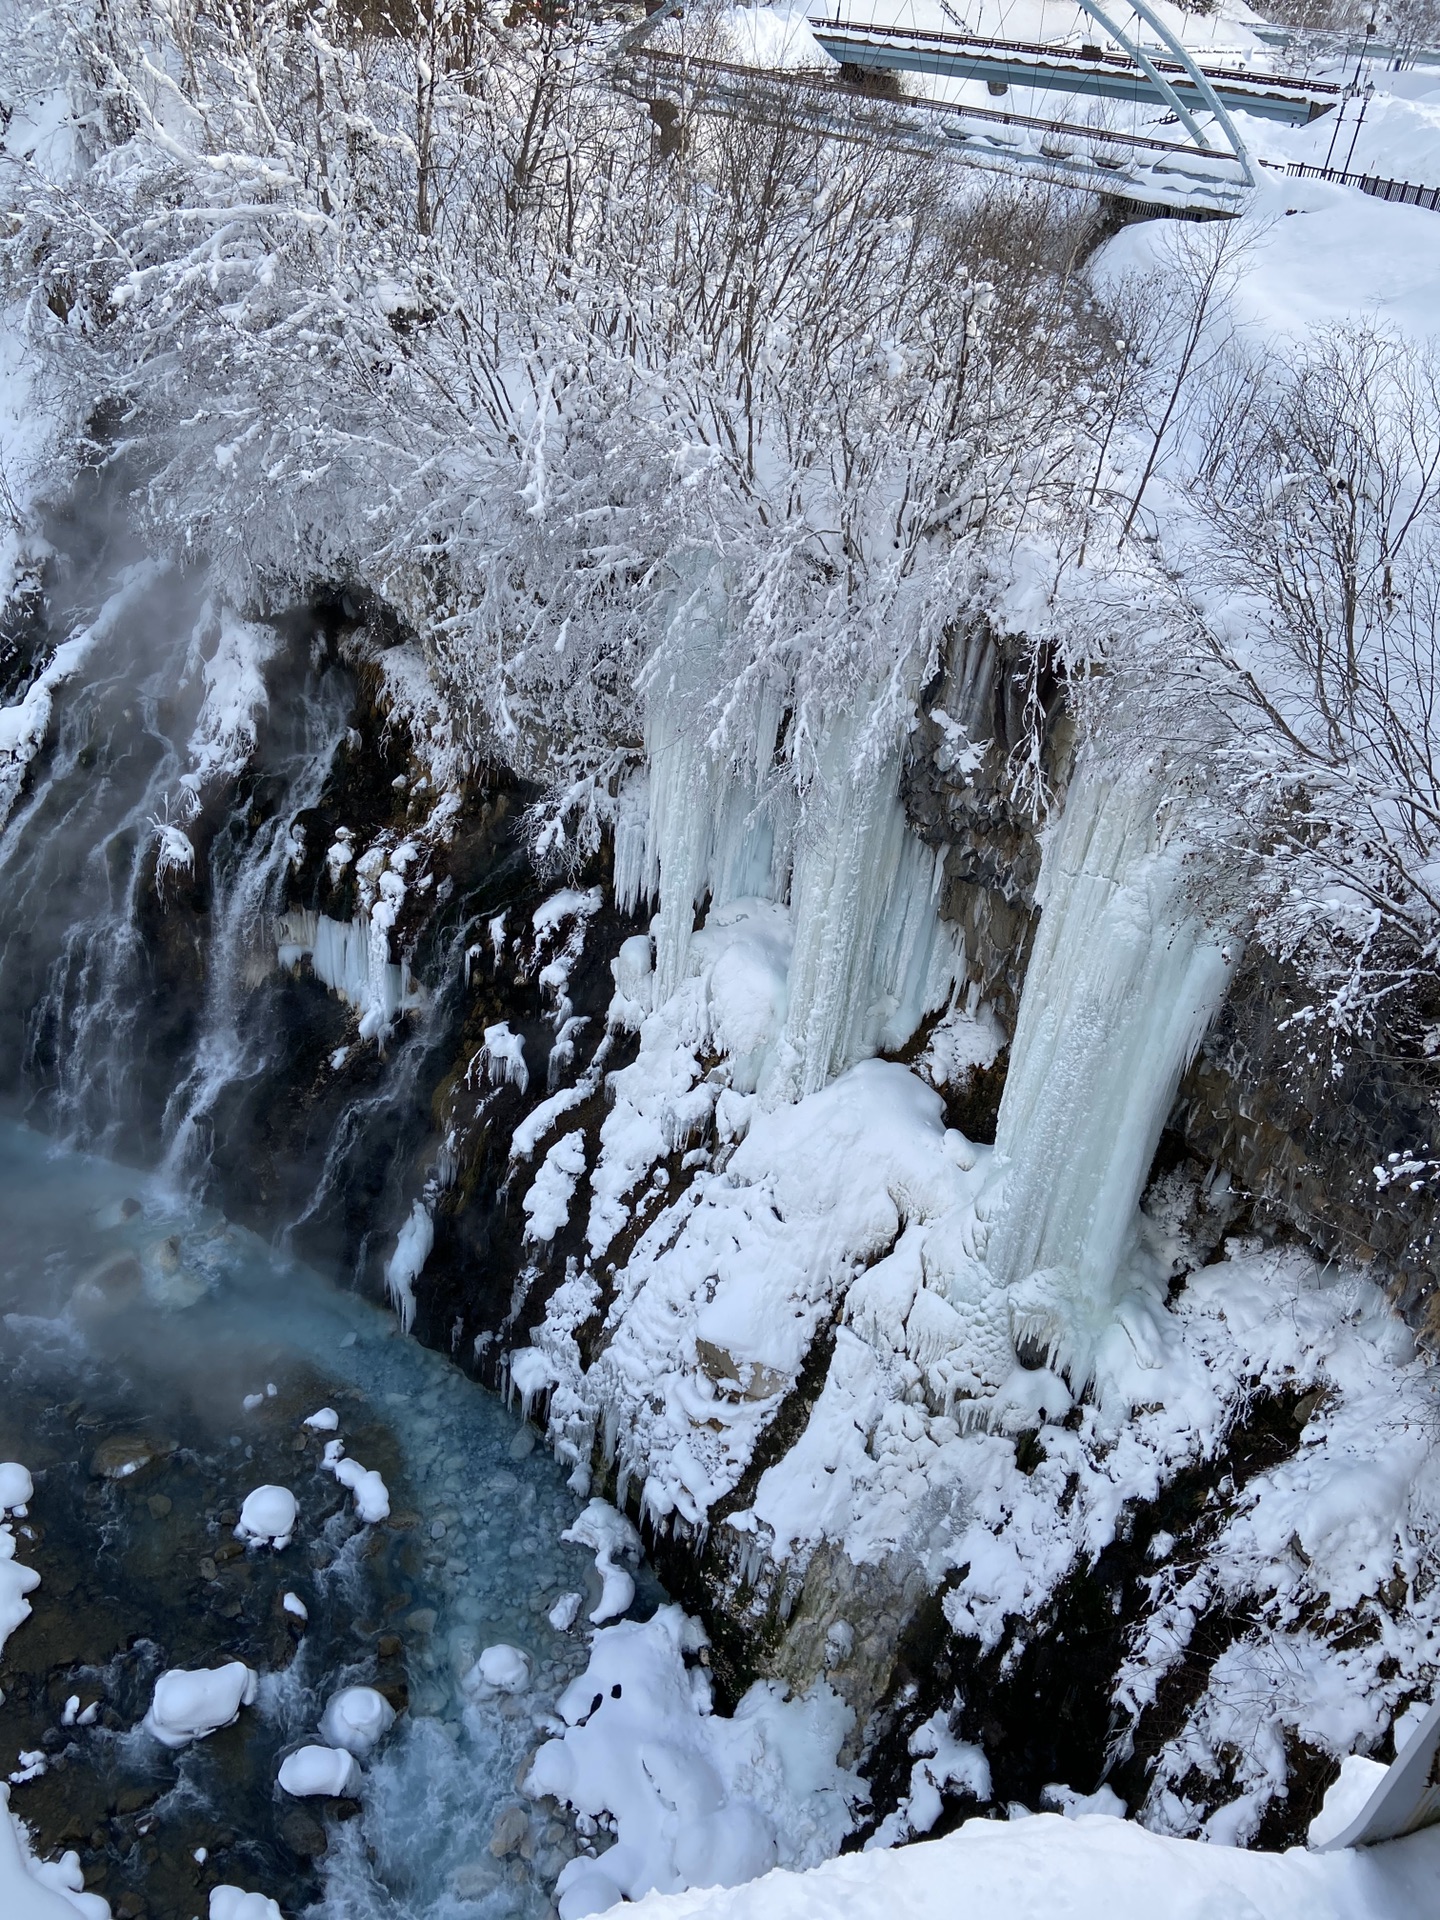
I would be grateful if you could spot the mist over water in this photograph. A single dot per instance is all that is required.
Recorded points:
(132, 1336)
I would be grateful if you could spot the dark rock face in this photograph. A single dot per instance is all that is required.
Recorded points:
(1304, 1128)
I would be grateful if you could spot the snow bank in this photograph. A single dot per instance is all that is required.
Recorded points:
(267, 1517)
(775, 37)
(696, 1800)
(189, 1706)
(1092, 1868)
(319, 1771)
(357, 1720)
(33, 1889)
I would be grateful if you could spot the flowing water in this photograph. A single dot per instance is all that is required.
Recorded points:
(135, 1327)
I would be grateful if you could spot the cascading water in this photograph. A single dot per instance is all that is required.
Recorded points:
(1124, 977)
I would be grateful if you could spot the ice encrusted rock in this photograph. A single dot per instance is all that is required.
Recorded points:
(327, 1771)
(267, 1517)
(502, 1668)
(357, 1719)
(187, 1706)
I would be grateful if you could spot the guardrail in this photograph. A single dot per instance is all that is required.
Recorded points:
(1403, 192)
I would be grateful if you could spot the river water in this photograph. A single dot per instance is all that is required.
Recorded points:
(135, 1328)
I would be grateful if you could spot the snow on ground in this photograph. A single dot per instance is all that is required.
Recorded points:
(693, 1799)
(1090, 1868)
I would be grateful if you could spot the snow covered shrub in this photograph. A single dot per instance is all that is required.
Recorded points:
(424, 304)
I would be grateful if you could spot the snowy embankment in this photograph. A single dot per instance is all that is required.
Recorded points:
(1091, 1868)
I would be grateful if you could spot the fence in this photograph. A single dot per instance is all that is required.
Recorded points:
(1403, 191)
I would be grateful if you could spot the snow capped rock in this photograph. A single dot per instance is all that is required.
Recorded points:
(319, 1771)
(189, 1705)
(326, 1420)
(16, 1487)
(267, 1517)
(233, 1903)
(502, 1668)
(356, 1719)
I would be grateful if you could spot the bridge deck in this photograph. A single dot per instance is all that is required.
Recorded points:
(1166, 175)
(1085, 69)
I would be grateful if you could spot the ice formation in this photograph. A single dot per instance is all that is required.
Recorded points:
(868, 954)
(267, 1517)
(1122, 981)
(188, 1706)
(357, 1720)
(413, 1246)
(324, 1771)
(352, 958)
(696, 1800)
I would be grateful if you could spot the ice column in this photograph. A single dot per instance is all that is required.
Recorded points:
(871, 954)
(1124, 978)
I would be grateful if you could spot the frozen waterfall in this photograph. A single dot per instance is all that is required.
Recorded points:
(723, 824)
(1124, 978)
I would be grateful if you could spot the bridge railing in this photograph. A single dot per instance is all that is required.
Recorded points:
(1405, 192)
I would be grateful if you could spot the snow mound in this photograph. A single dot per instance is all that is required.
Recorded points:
(356, 1719)
(697, 1800)
(189, 1706)
(267, 1517)
(319, 1771)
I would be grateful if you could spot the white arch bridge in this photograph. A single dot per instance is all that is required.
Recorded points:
(1181, 151)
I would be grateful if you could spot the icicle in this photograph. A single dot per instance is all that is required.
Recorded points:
(871, 955)
(1123, 980)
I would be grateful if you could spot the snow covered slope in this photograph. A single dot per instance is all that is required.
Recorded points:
(1091, 1868)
